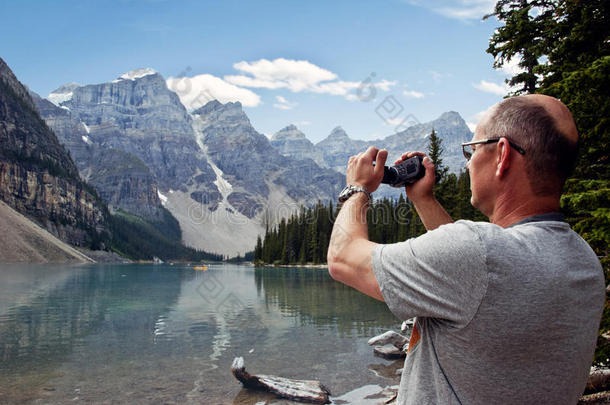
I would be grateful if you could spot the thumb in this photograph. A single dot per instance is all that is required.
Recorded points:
(382, 156)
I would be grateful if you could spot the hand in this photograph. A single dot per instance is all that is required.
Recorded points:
(424, 187)
(360, 169)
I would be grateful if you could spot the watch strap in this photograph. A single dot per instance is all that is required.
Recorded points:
(350, 190)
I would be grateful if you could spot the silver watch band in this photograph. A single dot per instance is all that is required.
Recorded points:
(350, 190)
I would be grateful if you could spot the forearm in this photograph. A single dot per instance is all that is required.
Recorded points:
(432, 213)
(350, 251)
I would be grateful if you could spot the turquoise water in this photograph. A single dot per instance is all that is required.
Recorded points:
(140, 334)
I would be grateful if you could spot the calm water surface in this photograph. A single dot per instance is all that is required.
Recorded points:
(140, 334)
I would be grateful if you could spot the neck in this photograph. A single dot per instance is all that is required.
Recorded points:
(508, 211)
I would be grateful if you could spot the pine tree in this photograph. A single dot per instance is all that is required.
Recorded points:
(435, 151)
(258, 250)
(522, 36)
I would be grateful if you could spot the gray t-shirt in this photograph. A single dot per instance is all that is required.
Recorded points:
(504, 315)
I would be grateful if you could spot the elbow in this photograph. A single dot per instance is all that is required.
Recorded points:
(335, 266)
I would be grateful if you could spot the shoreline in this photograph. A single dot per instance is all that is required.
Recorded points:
(305, 266)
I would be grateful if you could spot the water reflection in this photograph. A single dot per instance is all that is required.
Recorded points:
(315, 298)
(151, 334)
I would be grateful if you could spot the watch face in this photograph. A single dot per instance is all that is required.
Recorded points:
(345, 193)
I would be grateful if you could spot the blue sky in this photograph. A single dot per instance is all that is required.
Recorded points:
(316, 64)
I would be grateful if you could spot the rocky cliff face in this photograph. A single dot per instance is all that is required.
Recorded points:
(253, 166)
(293, 143)
(37, 176)
(337, 148)
(120, 178)
(138, 114)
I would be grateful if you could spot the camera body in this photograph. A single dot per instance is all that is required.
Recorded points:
(406, 172)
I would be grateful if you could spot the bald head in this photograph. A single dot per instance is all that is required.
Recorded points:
(543, 126)
(561, 115)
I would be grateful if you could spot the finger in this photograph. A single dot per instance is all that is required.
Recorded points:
(371, 153)
(408, 155)
(428, 164)
(380, 160)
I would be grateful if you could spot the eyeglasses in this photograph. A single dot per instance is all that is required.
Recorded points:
(468, 150)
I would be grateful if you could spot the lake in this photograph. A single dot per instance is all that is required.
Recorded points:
(141, 334)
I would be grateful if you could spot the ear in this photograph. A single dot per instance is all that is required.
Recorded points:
(503, 152)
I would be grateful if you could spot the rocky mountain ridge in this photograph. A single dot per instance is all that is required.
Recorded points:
(335, 150)
(214, 172)
(37, 175)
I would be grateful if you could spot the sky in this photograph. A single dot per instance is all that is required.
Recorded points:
(371, 67)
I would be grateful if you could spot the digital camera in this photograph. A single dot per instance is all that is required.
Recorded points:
(406, 172)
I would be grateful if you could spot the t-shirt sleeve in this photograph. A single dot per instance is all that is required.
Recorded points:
(441, 274)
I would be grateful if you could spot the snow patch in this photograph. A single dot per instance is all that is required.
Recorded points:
(136, 74)
(162, 197)
(86, 139)
(62, 94)
(223, 185)
(86, 127)
(58, 98)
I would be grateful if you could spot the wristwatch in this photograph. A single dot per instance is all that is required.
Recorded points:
(350, 190)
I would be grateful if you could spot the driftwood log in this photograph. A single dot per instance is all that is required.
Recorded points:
(297, 390)
(599, 380)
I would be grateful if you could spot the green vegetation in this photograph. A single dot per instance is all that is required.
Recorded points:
(304, 237)
(564, 48)
(138, 239)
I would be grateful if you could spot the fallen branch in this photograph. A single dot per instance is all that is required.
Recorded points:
(599, 380)
(296, 390)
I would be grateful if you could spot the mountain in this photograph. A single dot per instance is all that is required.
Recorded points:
(210, 168)
(37, 175)
(337, 148)
(122, 180)
(293, 143)
(25, 241)
(450, 127)
(138, 114)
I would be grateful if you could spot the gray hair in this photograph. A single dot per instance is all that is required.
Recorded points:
(550, 155)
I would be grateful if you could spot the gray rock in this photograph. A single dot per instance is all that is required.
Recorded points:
(293, 143)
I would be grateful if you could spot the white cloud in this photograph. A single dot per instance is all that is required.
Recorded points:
(512, 68)
(385, 85)
(458, 9)
(494, 88)
(196, 91)
(474, 120)
(414, 94)
(297, 76)
(283, 104)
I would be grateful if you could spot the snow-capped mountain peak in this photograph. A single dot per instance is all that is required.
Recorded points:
(63, 93)
(137, 73)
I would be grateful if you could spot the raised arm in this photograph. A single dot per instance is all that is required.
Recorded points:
(350, 251)
(421, 194)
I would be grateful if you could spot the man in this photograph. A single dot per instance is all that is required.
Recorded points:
(507, 311)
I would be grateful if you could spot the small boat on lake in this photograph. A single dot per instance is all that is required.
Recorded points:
(200, 267)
